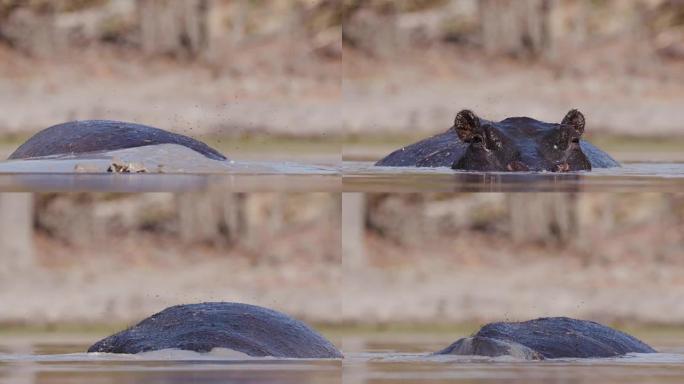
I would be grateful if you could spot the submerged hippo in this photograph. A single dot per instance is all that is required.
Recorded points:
(244, 328)
(78, 137)
(513, 144)
(547, 338)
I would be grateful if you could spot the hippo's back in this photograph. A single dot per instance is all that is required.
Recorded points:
(249, 329)
(441, 150)
(89, 136)
(557, 337)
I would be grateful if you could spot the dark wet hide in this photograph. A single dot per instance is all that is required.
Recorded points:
(516, 144)
(90, 136)
(548, 338)
(249, 329)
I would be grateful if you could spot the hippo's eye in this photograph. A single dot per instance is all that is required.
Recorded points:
(561, 142)
(575, 140)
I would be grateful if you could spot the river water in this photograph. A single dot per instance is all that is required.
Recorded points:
(175, 168)
(164, 168)
(394, 360)
(406, 360)
(359, 176)
(52, 363)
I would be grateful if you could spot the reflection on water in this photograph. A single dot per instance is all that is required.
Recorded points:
(632, 177)
(388, 362)
(164, 158)
(158, 367)
(395, 359)
(662, 368)
(128, 182)
(170, 168)
(175, 168)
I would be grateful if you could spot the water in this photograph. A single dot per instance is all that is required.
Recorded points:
(398, 359)
(176, 168)
(393, 368)
(167, 167)
(61, 363)
(361, 176)
(392, 361)
(264, 182)
(58, 175)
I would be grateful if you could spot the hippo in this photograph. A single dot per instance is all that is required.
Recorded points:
(249, 329)
(547, 338)
(513, 144)
(79, 137)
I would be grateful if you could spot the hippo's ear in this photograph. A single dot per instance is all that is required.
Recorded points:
(575, 119)
(467, 125)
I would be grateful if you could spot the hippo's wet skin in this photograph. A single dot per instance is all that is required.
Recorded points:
(513, 144)
(88, 136)
(547, 338)
(249, 329)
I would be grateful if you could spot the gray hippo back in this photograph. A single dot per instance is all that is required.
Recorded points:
(78, 137)
(249, 329)
(548, 338)
(513, 144)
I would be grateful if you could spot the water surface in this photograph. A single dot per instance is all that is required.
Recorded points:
(176, 168)
(360, 176)
(163, 168)
(62, 363)
(369, 359)
(406, 360)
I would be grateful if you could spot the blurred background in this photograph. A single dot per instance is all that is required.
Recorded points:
(248, 76)
(479, 257)
(409, 66)
(268, 78)
(80, 262)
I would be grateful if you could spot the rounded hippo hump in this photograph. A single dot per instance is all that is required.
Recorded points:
(249, 329)
(77, 137)
(551, 337)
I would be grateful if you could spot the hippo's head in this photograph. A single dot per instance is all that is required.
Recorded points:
(521, 144)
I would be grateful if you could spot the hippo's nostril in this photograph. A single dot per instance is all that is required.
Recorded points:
(517, 166)
(562, 167)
